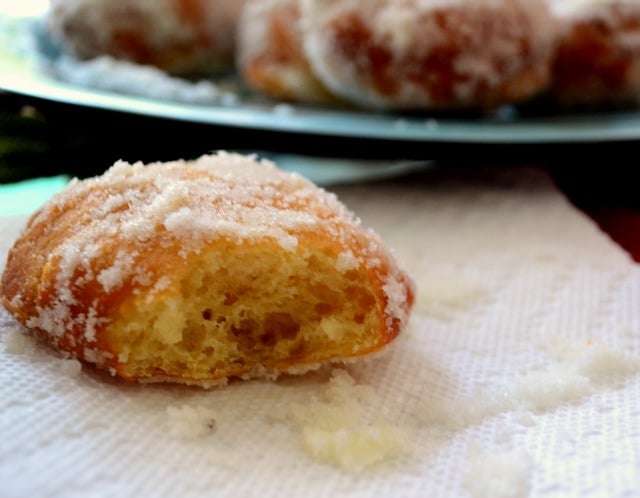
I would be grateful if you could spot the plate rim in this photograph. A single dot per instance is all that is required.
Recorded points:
(30, 79)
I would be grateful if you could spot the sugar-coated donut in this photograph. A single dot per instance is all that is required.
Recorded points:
(430, 54)
(200, 271)
(270, 57)
(179, 36)
(598, 58)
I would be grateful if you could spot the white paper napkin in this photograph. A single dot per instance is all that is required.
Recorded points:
(518, 375)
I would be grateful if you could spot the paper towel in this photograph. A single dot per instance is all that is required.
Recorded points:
(518, 375)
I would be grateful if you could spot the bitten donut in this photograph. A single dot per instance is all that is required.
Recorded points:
(200, 271)
(179, 36)
(598, 59)
(430, 54)
(270, 55)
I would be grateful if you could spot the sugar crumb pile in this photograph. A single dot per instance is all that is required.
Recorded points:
(505, 475)
(338, 428)
(16, 341)
(577, 370)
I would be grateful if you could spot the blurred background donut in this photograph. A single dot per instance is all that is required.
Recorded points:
(598, 59)
(399, 55)
(270, 54)
(430, 54)
(178, 36)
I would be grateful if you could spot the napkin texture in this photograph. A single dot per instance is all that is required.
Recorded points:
(517, 376)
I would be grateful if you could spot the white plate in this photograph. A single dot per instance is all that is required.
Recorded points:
(246, 111)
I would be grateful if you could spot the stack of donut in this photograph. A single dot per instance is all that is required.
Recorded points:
(410, 55)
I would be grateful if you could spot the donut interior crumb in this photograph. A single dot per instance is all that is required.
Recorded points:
(248, 306)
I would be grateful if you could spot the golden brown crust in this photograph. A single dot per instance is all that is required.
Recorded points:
(196, 272)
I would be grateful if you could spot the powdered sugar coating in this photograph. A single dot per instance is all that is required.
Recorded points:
(248, 199)
(584, 9)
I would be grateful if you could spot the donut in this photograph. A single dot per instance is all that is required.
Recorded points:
(201, 271)
(270, 57)
(398, 54)
(430, 54)
(598, 55)
(179, 36)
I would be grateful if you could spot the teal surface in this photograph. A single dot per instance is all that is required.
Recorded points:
(25, 197)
